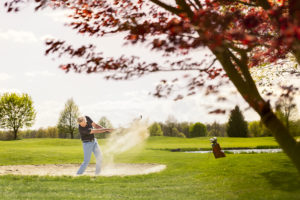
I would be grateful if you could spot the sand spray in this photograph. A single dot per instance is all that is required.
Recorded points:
(124, 139)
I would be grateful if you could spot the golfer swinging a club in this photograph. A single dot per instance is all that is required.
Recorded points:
(87, 129)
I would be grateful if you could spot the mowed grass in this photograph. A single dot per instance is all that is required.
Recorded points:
(188, 176)
(169, 143)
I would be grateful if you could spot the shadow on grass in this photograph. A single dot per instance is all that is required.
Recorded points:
(286, 181)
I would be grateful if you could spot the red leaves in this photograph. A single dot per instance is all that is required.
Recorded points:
(87, 13)
(217, 111)
(179, 97)
(213, 73)
(248, 39)
(157, 43)
(175, 26)
(251, 21)
(133, 37)
(265, 35)
(65, 67)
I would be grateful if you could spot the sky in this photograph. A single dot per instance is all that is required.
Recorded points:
(25, 69)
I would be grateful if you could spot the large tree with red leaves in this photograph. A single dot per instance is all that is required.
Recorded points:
(239, 33)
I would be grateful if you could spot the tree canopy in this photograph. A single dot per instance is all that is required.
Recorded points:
(198, 130)
(16, 112)
(67, 123)
(104, 122)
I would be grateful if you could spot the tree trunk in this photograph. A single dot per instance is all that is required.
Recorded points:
(72, 135)
(296, 51)
(251, 95)
(282, 135)
(15, 134)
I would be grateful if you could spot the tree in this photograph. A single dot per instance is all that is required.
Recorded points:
(286, 108)
(168, 126)
(16, 112)
(176, 133)
(216, 129)
(239, 34)
(255, 129)
(258, 129)
(67, 122)
(237, 126)
(184, 127)
(198, 130)
(155, 130)
(104, 122)
(52, 132)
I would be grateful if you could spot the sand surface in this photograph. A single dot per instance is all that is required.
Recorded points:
(119, 169)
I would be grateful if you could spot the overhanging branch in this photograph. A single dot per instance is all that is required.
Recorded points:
(167, 7)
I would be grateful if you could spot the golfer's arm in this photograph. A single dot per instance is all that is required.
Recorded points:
(98, 131)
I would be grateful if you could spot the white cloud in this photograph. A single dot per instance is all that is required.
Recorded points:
(5, 76)
(47, 113)
(59, 15)
(48, 36)
(19, 36)
(44, 73)
(10, 90)
(122, 112)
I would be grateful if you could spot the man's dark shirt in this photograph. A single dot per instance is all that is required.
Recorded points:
(85, 132)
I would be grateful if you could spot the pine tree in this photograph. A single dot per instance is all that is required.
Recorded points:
(237, 126)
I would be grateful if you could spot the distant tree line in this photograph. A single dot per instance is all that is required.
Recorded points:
(187, 129)
(235, 127)
(17, 112)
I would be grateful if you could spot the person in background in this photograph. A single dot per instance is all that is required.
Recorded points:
(87, 129)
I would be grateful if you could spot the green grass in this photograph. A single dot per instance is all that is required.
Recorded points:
(168, 143)
(187, 177)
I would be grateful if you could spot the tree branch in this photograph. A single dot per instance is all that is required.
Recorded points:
(195, 7)
(247, 4)
(185, 7)
(263, 3)
(222, 54)
(242, 63)
(213, 62)
(167, 7)
(198, 4)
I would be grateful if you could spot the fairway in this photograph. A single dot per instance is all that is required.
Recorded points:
(187, 176)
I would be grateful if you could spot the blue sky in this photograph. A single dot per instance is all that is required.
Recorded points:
(25, 69)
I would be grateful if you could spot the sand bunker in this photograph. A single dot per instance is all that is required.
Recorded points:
(71, 169)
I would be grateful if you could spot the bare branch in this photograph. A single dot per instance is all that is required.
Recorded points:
(264, 4)
(198, 4)
(185, 7)
(242, 63)
(167, 7)
(247, 4)
(195, 7)
(213, 62)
